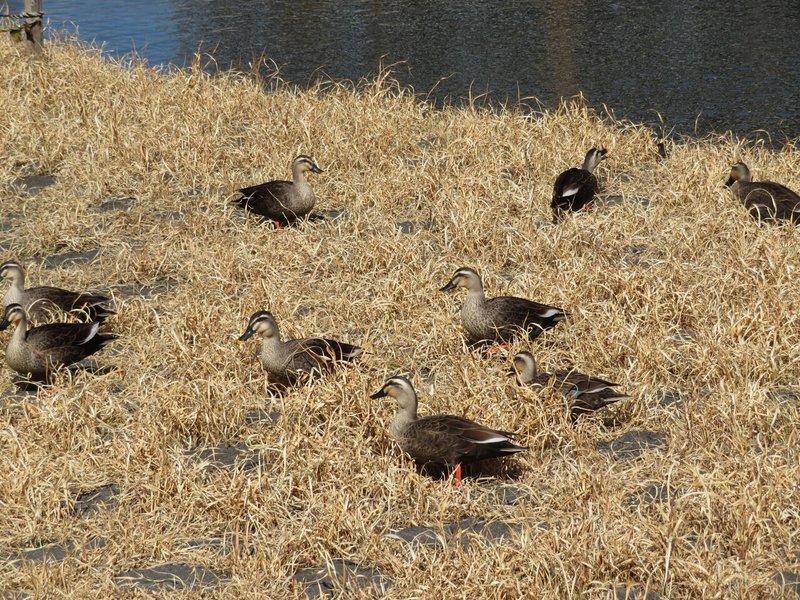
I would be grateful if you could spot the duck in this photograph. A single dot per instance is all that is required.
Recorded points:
(765, 200)
(38, 352)
(575, 189)
(40, 303)
(586, 393)
(282, 202)
(290, 361)
(441, 440)
(500, 319)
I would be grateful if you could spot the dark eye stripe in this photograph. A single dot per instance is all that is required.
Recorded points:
(14, 309)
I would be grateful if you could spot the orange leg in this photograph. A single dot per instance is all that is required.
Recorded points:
(498, 348)
(277, 224)
(457, 476)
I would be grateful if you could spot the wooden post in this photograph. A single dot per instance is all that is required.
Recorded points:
(33, 24)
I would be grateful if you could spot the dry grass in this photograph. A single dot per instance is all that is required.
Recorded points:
(331, 483)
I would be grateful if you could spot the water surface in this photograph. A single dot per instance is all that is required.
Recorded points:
(702, 65)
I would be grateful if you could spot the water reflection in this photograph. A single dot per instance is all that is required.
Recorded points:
(738, 72)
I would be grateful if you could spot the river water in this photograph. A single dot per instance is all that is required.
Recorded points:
(698, 65)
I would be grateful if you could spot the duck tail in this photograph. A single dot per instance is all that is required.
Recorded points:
(510, 448)
(105, 338)
(348, 351)
(100, 313)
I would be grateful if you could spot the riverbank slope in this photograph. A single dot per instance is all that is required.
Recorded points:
(673, 291)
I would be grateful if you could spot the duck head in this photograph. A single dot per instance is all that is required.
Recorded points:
(262, 323)
(401, 390)
(466, 278)
(593, 158)
(13, 315)
(739, 172)
(525, 368)
(304, 164)
(11, 270)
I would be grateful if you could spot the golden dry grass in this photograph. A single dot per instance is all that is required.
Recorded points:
(331, 484)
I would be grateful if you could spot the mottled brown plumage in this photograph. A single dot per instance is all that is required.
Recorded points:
(288, 361)
(576, 188)
(42, 303)
(765, 200)
(39, 351)
(503, 318)
(442, 440)
(282, 202)
(585, 393)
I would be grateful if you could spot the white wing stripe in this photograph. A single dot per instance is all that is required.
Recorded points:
(92, 332)
(492, 440)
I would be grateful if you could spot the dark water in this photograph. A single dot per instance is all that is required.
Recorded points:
(703, 65)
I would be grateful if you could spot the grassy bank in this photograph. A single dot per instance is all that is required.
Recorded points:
(687, 297)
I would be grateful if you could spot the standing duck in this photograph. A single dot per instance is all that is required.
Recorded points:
(40, 302)
(586, 393)
(441, 440)
(575, 189)
(288, 361)
(503, 318)
(39, 351)
(765, 200)
(282, 202)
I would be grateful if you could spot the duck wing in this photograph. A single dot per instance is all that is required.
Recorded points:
(40, 302)
(451, 440)
(577, 382)
(587, 393)
(574, 189)
(267, 199)
(66, 343)
(769, 201)
(510, 315)
(319, 354)
(591, 401)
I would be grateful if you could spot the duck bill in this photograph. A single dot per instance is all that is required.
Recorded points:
(511, 373)
(317, 171)
(379, 394)
(449, 287)
(4, 324)
(730, 182)
(245, 336)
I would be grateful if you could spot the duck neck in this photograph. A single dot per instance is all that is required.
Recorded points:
(15, 292)
(402, 419)
(475, 299)
(737, 188)
(299, 177)
(529, 374)
(304, 191)
(273, 350)
(20, 333)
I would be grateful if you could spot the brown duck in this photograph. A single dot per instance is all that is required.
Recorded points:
(41, 302)
(575, 189)
(39, 351)
(442, 440)
(282, 202)
(765, 200)
(291, 360)
(586, 393)
(503, 318)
